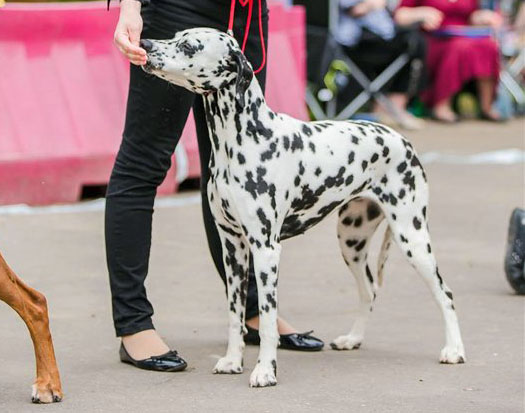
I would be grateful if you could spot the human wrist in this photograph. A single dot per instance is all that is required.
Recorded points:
(134, 5)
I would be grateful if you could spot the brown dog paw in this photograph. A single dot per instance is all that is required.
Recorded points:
(46, 392)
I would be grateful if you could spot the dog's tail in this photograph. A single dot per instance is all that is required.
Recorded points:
(383, 255)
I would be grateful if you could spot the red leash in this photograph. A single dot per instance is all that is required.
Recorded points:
(247, 27)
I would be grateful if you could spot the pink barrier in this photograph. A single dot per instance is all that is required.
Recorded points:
(63, 89)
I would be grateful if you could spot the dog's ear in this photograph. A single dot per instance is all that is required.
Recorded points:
(244, 76)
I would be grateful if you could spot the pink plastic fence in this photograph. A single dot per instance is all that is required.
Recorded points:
(63, 89)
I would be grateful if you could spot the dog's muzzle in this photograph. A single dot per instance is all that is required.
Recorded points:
(146, 45)
(150, 64)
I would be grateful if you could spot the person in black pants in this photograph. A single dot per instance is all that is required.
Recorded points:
(155, 117)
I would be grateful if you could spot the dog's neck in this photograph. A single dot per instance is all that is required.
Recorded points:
(229, 124)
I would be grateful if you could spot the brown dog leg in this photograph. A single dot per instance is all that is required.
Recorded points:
(32, 307)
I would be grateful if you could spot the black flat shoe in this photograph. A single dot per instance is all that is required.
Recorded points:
(294, 341)
(169, 362)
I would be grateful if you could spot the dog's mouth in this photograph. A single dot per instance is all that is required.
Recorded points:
(151, 66)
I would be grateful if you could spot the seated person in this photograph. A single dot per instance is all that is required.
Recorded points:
(372, 40)
(457, 52)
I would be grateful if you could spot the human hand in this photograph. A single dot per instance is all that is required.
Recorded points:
(431, 18)
(486, 18)
(366, 6)
(127, 32)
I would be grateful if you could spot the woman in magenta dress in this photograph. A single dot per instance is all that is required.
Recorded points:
(455, 60)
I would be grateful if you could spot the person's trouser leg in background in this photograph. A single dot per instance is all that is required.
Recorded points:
(411, 79)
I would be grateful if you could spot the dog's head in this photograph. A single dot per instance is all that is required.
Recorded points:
(201, 60)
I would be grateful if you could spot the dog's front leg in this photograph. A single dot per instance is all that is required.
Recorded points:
(236, 260)
(31, 305)
(266, 266)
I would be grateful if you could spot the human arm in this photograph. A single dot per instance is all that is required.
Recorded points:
(410, 13)
(128, 31)
(366, 6)
(486, 18)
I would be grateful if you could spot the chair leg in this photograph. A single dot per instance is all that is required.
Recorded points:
(371, 89)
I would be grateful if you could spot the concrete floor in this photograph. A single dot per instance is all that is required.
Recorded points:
(396, 369)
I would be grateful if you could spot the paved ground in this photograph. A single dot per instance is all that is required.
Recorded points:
(395, 370)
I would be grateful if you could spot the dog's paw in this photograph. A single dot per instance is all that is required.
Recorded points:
(46, 393)
(452, 355)
(348, 342)
(263, 376)
(227, 365)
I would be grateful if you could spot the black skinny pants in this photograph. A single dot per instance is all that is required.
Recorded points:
(155, 117)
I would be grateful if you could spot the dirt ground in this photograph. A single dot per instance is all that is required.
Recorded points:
(396, 369)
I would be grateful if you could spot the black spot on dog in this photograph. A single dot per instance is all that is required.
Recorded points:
(401, 167)
(374, 158)
(364, 164)
(409, 180)
(306, 130)
(297, 143)
(372, 211)
(268, 154)
(392, 199)
(271, 300)
(360, 246)
(286, 142)
(369, 275)
(266, 225)
(417, 223)
(301, 168)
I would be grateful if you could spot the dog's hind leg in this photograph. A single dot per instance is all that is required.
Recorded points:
(357, 223)
(409, 227)
(32, 308)
(266, 265)
(236, 261)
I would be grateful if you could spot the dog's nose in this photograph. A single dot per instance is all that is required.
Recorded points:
(146, 45)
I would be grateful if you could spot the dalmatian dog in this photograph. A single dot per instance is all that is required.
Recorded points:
(274, 177)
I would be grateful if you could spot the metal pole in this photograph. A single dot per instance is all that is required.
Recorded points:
(333, 15)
